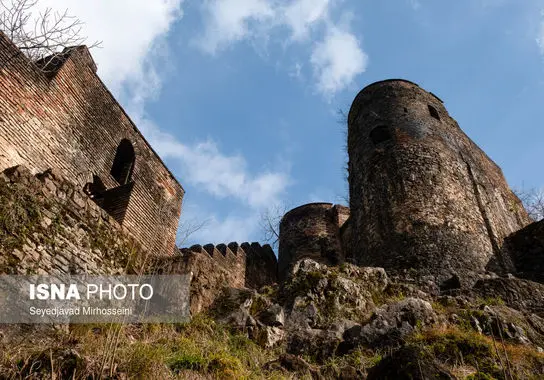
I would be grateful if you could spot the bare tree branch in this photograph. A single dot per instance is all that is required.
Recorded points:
(187, 228)
(41, 35)
(269, 224)
(533, 200)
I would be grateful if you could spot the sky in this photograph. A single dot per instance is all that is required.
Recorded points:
(243, 99)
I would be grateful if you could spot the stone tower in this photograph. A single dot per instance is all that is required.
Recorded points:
(423, 196)
(311, 231)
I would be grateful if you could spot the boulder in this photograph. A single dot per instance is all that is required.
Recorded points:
(317, 295)
(390, 324)
(269, 336)
(409, 363)
(273, 316)
(522, 295)
(316, 343)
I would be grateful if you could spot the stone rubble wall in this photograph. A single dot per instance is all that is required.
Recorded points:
(214, 267)
(49, 226)
(250, 265)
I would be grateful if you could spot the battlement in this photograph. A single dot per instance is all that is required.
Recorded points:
(213, 267)
(250, 265)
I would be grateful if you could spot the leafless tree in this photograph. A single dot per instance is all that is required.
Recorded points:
(40, 34)
(533, 200)
(187, 228)
(269, 224)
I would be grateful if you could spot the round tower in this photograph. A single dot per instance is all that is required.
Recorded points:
(423, 196)
(310, 231)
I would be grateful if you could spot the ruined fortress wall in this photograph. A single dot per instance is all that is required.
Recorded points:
(249, 265)
(231, 258)
(312, 231)
(68, 120)
(422, 194)
(261, 265)
(49, 226)
(246, 265)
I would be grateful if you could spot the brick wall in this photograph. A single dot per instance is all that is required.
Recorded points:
(69, 121)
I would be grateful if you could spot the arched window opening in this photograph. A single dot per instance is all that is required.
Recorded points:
(433, 112)
(123, 163)
(380, 134)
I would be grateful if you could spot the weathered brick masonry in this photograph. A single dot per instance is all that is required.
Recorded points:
(69, 121)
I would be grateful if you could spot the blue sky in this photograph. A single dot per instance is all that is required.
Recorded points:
(241, 97)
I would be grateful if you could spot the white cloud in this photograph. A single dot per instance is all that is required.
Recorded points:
(128, 30)
(301, 15)
(228, 21)
(540, 36)
(296, 70)
(221, 175)
(134, 41)
(337, 60)
(132, 33)
(415, 4)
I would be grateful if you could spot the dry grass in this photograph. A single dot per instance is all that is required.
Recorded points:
(201, 350)
(490, 356)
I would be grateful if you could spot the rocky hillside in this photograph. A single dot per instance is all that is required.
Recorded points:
(324, 322)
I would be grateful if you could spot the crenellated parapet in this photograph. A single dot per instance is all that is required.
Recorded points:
(214, 267)
(250, 265)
